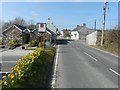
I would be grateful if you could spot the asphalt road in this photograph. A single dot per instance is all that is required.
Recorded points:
(80, 66)
(8, 58)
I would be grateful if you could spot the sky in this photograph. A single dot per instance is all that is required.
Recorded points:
(63, 14)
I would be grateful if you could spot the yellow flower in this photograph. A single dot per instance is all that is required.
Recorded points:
(19, 72)
(8, 75)
(15, 73)
(4, 77)
(5, 83)
(12, 81)
(12, 76)
(27, 68)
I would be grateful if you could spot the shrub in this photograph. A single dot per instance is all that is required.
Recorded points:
(112, 47)
(1, 42)
(41, 44)
(32, 44)
(12, 43)
(31, 71)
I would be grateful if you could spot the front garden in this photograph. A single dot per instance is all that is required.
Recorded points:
(32, 70)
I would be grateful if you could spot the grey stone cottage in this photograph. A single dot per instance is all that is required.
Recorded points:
(24, 34)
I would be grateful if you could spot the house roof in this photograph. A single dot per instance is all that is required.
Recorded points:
(23, 29)
(20, 28)
(78, 28)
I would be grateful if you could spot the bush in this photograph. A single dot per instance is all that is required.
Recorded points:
(111, 47)
(1, 42)
(31, 71)
(41, 44)
(32, 44)
(13, 43)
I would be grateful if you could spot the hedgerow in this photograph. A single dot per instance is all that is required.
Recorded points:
(31, 71)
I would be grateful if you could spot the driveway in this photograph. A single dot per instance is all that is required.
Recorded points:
(8, 58)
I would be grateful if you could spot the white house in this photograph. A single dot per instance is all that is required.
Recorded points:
(91, 39)
(74, 35)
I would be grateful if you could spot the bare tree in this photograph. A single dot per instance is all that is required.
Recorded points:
(1, 23)
(31, 22)
(6, 25)
(19, 21)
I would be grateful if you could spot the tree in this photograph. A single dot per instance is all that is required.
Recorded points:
(19, 21)
(31, 22)
(6, 25)
(1, 23)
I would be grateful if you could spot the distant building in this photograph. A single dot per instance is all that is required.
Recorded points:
(75, 35)
(83, 31)
(65, 33)
(94, 38)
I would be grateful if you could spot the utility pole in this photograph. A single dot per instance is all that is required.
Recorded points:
(95, 25)
(103, 23)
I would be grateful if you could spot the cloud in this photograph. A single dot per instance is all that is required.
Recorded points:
(58, 0)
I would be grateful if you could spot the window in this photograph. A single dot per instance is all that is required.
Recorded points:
(75, 35)
(42, 25)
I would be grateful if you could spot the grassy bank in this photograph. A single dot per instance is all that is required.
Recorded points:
(110, 47)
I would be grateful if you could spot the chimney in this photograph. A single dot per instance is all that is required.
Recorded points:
(84, 24)
(48, 20)
(77, 26)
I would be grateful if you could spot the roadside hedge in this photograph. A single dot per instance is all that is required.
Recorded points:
(31, 71)
(32, 44)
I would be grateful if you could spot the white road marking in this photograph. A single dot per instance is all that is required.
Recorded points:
(114, 72)
(90, 56)
(9, 61)
(5, 72)
(55, 69)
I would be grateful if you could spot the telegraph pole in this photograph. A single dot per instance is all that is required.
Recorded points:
(103, 23)
(95, 25)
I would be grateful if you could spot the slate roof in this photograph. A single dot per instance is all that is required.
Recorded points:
(21, 27)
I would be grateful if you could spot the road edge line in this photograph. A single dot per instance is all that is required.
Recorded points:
(55, 69)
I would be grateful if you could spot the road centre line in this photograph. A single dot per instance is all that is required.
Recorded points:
(114, 72)
(97, 60)
(90, 56)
